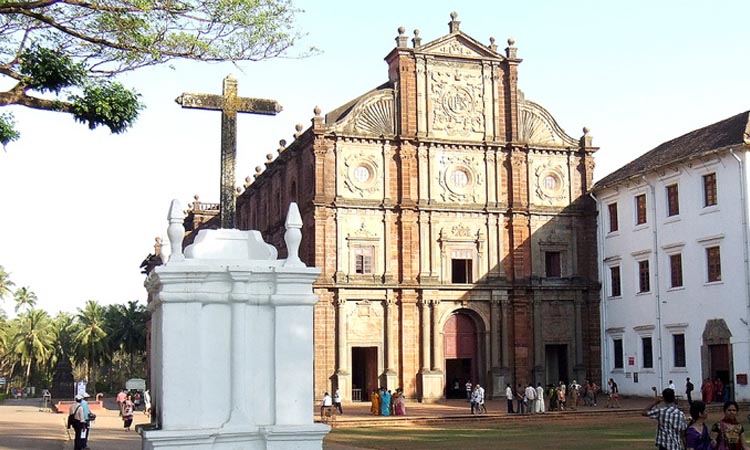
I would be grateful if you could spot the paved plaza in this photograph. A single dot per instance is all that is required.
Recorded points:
(23, 426)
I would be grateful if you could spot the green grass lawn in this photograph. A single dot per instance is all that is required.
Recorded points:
(615, 433)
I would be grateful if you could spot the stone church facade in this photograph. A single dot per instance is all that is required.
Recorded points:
(451, 221)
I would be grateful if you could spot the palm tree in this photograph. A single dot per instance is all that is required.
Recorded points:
(5, 283)
(24, 297)
(91, 337)
(34, 340)
(126, 326)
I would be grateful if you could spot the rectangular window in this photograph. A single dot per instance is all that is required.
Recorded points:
(673, 201)
(648, 353)
(618, 353)
(675, 268)
(612, 217)
(644, 282)
(461, 271)
(614, 273)
(552, 266)
(678, 341)
(713, 259)
(363, 257)
(640, 209)
(709, 190)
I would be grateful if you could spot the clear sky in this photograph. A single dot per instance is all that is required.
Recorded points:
(79, 210)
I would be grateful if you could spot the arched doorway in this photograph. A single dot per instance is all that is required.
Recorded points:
(460, 351)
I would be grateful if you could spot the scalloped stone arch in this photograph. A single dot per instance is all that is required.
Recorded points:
(373, 115)
(537, 126)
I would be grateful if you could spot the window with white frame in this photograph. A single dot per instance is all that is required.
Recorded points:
(641, 215)
(644, 277)
(678, 350)
(712, 251)
(612, 210)
(615, 282)
(618, 359)
(364, 256)
(647, 352)
(710, 195)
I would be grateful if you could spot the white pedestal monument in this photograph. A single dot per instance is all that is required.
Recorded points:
(232, 343)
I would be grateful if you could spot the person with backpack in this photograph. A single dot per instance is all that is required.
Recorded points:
(77, 421)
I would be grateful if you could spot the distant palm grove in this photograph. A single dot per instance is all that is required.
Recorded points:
(105, 345)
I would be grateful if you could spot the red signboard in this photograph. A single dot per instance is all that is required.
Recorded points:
(741, 378)
(631, 360)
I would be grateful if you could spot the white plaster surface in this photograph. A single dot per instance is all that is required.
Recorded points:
(232, 348)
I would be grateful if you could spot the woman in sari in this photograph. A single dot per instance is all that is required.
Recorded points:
(707, 391)
(375, 405)
(696, 435)
(400, 408)
(385, 402)
(728, 434)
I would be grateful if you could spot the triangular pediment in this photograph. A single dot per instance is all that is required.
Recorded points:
(459, 44)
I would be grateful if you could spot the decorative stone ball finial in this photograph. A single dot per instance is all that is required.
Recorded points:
(176, 230)
(511, 42)
(316, 110)
(401, 31)
(586, 130)
(416, 40)
(248, 181)
(453, 24)
(298, 129)
(492, 45)
(269, 157)
(293, 236)
(258, 170)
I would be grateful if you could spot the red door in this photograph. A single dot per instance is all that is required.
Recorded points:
(460, 350)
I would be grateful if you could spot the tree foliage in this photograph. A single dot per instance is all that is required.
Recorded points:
(63, 48)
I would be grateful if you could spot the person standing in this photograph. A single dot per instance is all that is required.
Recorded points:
(729, 434)
(337, 401)
(613, 400)
(530, 394)
(147, 403)
(520, 398)
(509, 397)
(540, 398)
(468, 386)
(696, 435)
(689, 391)
(385, 402)
(78, 423)
(127, 413)
(671, 421)
(121, 396)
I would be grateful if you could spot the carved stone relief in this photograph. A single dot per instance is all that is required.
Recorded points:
(551, 183)
(538, 127)
(456, 96)
(362, 174)
(365, 322)
(372, 115)
(460, 177)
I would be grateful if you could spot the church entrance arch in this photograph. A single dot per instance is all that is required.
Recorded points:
(460, 351)
(716, 354)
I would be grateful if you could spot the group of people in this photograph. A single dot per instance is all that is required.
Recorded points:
(714, 391)
(534, 400)
(385, 403)
(676, 432)
(127, 406)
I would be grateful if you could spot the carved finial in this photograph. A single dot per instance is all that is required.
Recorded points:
(298, 128)
(586, 139)
(238, 191)
(401, 39)
(511, 50)
(258, 170)
(293, 236)
(416, 40)
(316, 110)
(282, 146)
(453, 24)
(269, 157)
(176, 230)
(248, 182)
(492, 45)
(196, 202)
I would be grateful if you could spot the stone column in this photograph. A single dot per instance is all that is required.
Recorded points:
(387, 244)
(579, 369)
(505, 314)
(389, 378)
(538, 339)
(435, 336)
(424, 309)
(343, 376)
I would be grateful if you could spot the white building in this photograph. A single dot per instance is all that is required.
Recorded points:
(673, 261)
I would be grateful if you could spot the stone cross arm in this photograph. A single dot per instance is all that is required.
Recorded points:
(213, 102)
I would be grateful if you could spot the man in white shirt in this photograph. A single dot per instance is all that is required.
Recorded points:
(326, 406)
(531, 396)
(540, 398)
(78, 423)
(509, 396)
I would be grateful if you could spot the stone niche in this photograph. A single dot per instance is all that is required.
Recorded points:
(232, 343)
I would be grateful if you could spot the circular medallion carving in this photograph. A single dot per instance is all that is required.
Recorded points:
(459, 179)
(458, 101)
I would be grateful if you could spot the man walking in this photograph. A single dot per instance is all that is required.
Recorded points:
(671, 421)
(689, 391)
(468, 390)
(77, 421)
